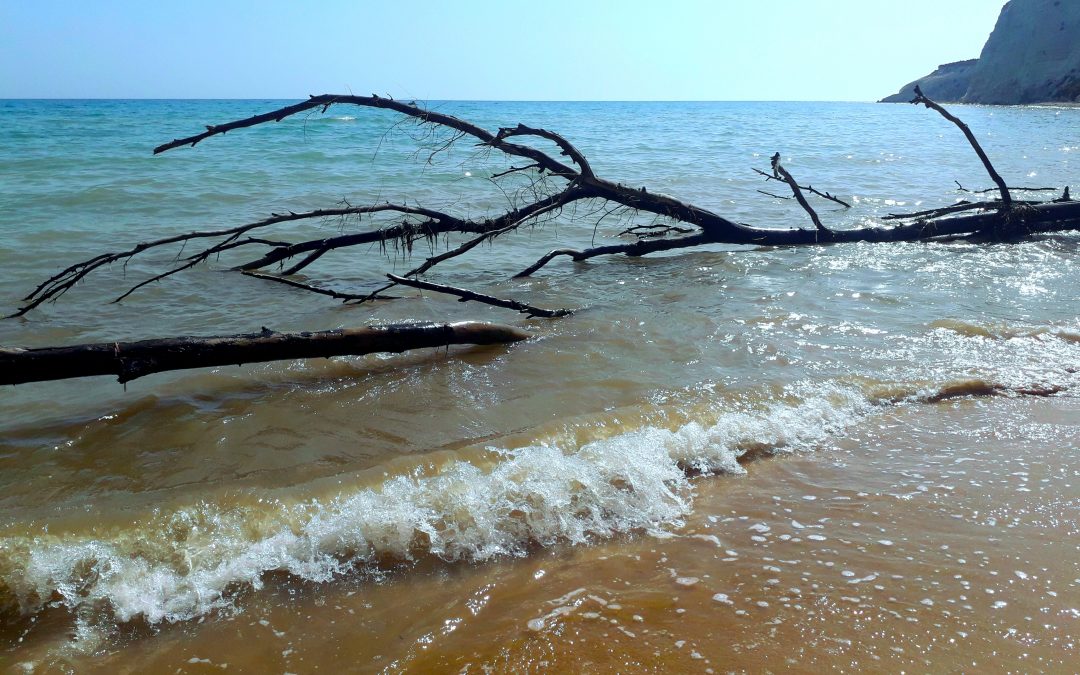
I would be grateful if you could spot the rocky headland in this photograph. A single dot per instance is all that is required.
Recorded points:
(1032, 56)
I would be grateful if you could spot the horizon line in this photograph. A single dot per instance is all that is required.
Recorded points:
(441, 100)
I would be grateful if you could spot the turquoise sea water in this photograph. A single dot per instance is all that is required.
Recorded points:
(152, 501)
(78, 178)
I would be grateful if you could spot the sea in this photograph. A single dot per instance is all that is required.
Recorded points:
(855, 457)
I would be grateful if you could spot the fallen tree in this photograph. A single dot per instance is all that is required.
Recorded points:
(556, 180)
(678, 224)
(131, 360)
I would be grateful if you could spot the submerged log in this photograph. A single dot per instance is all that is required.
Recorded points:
(131, 360)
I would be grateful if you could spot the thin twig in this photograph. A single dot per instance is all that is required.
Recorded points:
(961, 188)
(769, 194)
(808, 188)
(337, 295)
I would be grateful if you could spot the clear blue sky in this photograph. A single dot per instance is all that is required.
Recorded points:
(483, 49)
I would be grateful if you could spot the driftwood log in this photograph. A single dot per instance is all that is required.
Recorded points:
(131, 360)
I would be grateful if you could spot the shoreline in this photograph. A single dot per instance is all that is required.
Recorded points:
(877, 552)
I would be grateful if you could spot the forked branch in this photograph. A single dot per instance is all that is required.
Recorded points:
(565, 146)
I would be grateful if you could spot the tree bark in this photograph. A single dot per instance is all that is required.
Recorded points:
(131, 360)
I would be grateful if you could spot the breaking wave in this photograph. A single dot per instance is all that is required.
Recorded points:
(477, 506)
(183, 564)
(1004, 331)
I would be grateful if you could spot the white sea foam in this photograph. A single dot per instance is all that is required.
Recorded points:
(182, 565)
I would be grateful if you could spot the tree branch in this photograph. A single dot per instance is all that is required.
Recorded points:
(809, 188)
(637, 248)
(781, 173)
(956, 208)
(961, 188)
(565, 146)
(60, 283)
(1006, 198)
(337, 295)
(557, 201)
(324, 101)
(465, 295)
(651, 231)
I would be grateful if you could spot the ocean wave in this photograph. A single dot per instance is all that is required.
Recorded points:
(473, 507)
(184, 564)
(1003, 331)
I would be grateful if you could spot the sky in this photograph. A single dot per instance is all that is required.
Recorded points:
(844, 50)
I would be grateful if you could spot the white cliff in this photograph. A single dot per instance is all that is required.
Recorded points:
(1032, 56)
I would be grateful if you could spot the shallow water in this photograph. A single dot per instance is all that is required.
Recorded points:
(522, 498)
